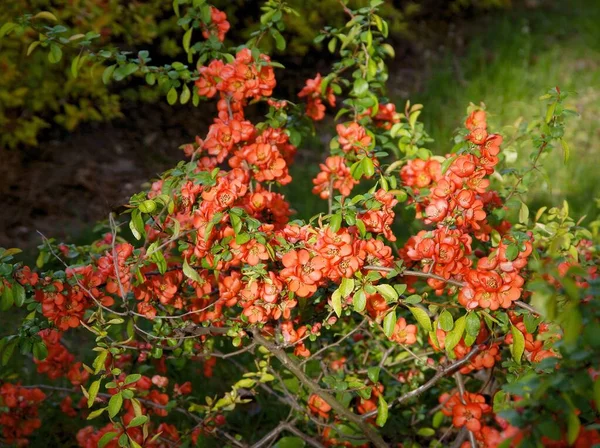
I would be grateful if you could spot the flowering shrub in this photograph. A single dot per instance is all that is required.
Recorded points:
(480, 330)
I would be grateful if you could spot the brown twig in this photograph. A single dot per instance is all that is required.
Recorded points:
(429, 384)
(314, 388)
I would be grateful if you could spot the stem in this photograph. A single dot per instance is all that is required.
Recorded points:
(533, 167)
(314, 388)
(408, 273)
(432, 382)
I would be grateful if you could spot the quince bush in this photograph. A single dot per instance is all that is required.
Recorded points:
(480, 330)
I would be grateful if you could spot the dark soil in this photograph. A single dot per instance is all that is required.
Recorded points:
(73, 180)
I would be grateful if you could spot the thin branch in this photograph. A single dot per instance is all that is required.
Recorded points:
(432, 382)
(314, 388)
(408, 273)
(338, 342)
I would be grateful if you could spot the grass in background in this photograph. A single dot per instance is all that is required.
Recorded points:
(514, 58)
(511, 59)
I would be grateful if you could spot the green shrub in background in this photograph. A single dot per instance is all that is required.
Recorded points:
(34, 94)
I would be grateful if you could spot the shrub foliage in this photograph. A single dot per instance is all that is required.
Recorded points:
(205, 305)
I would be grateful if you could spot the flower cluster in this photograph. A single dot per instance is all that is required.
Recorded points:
(21, 417)
(315, 108)
(334, 175)
(59, 362)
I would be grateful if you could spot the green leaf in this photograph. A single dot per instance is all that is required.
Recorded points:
(7, 28)
(446, 321)
(453, 337)
(373, 373)
(422, 317)
(473, 324)
(148, 206)
(75, 65)
(523, 213)
(32, 46)
(98, 363)
(359, 301)
(382, 411)
(6, 299)
(572, 323)
(136, 224)
(279, 40)
(40, 351)
(290, 442)
(357, 170)
(137, 421)
(512, 251)
(426, 432)
(413, 299)
(335, 222)
(332, 44)
(368, 167)
(191, 272)
(360, 87)
(389, 323)
(95, 413)
(566, 149)
(55, 54)
(93, 393)
(187, 39)
(107, 74)
(172, 96)
(438, 417)
(132, 378)
(109, 436)
(347, 287)
(46, 15)
(336, 302)
(550, 112)
(18, 294)
(573, 427)
(8, 351)
(388, 292)
(400, 288)
(518, 345)
(114, 404)
(185, 94)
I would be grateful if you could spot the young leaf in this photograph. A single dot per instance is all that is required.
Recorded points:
(55, 54)
(93, 392)
(18, 294)
(359, 301)
(473, 324)
(453, 337)
(336, 302)
(6, 299)
(191, 272)
(114, 404)
(346, 287)
(373, 373)
(422, 317)
(388, 292)
(446, 321)
(389, 323)
(137, 421)
(518, 345)
(107, 74)
(106, 438)
(382, 411)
